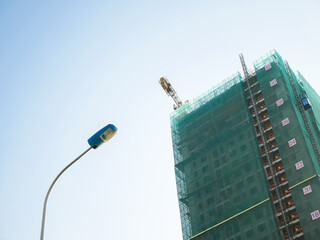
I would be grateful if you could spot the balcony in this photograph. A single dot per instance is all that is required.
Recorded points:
(251, 86)
(276, 174)
(273, 162)
(282, 198)
(280, 185)
(254, 94)
(299, 235)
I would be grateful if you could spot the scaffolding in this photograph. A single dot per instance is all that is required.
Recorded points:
(236, 150)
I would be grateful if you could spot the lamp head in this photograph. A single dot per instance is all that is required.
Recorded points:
(102, 136)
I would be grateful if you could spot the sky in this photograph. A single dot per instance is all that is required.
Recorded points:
(68, 68)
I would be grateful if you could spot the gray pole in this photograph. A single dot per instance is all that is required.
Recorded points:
(49, 191)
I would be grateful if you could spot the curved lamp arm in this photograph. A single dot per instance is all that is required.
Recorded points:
(49, 191)
(100, 137)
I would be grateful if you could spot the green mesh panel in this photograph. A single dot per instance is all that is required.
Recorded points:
(312, 95)
(219, 170)
(313, 113)
(295, 129)
(257, 224)
(218, 166)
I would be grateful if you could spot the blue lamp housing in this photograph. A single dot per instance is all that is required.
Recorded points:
(102, 136)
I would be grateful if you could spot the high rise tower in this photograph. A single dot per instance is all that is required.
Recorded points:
(247, 157)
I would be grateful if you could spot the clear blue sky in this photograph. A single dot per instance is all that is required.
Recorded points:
(67, 68)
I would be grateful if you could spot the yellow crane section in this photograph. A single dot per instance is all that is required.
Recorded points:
(167, 87)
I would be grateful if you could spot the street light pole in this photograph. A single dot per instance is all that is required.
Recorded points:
(100, 137)
(49, 191)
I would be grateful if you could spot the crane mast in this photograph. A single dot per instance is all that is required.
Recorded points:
(167, 87)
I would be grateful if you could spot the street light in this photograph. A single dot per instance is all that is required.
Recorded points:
(100, 137)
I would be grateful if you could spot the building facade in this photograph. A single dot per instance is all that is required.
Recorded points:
(247, 157)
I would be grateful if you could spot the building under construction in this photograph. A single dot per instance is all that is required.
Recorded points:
(247, 156)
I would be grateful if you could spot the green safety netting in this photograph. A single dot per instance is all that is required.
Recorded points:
(218, 165)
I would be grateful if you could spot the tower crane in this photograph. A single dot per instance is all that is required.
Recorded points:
(167, 87)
